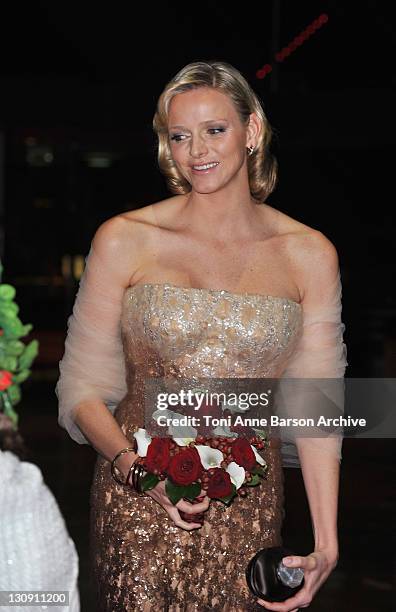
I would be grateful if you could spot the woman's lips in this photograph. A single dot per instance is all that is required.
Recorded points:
(204, 171)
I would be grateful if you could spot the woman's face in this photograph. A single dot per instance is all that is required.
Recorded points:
(203, 128)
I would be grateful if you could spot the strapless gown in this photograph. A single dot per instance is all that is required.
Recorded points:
(141, 560)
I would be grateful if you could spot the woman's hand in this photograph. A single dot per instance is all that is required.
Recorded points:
(317, 566)
(159, 495)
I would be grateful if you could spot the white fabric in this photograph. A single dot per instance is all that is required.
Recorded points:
(93, 365)
(36, 552)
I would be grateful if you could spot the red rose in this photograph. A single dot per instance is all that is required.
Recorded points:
(220, 484)
(243, 454)
(185, 467)
(158, 454)
(5, 379)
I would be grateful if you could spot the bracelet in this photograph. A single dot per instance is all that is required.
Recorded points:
(136, 469)
(129, 472)
(114, 467)
(138, 472)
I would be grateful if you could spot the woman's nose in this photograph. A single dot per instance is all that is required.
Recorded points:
(198, 147)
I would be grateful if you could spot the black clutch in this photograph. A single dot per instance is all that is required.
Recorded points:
(269, 579)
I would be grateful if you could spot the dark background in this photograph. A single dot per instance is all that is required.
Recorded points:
(79, 84)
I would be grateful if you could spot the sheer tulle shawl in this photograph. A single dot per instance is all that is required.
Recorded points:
(320, 354)
(93, 365)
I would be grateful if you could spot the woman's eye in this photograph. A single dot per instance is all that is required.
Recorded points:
(178, 137)
(219, 128)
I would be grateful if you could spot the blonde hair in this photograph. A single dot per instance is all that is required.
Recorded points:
(262, 165)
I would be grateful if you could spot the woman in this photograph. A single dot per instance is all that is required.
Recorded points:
(212, 282)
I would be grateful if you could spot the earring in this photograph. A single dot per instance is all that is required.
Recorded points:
(250, 149)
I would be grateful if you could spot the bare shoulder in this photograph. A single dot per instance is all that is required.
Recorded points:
(157, 214)
(312, 255)
(304, 243)
(310, 246)
(112, 236)
(132, 228)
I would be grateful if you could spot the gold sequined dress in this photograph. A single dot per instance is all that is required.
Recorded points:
(141, 560)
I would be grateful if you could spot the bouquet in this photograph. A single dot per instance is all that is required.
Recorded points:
(224, 466)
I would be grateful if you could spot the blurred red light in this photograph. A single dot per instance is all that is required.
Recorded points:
(296, 42)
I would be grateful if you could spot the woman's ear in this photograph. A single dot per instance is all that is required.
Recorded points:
(253, 130)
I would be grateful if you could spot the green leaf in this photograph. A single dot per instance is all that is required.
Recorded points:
(14, 393)
(7, 292)
(8, 363)
(9, 310)
(176, 492)
(254, 482)
(261, 433)
(260, 470)
(12, 327)
(8, 408)
(149, 481)
(193, 491)
(10, 412)
(29, 354)
(26, 329)
(21, 376)
(14, 347)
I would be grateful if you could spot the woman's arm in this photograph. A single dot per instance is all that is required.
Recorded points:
(103, 433)
(320, 472)
(92, 369)
(320, 354)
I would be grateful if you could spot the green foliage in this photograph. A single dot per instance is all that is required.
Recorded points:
(176, 492)
(149, 481)
(16, 357)
(8, 409)
(255, 481)
(261, 471)
(261, 433)
(7, 292)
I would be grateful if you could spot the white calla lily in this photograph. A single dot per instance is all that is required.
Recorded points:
(237, 474)
(162, 412)
(234, 408)
(259, 458)
(210, 457)
(183, 441)
(182, 434)
(224, 431)
(143, 440)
